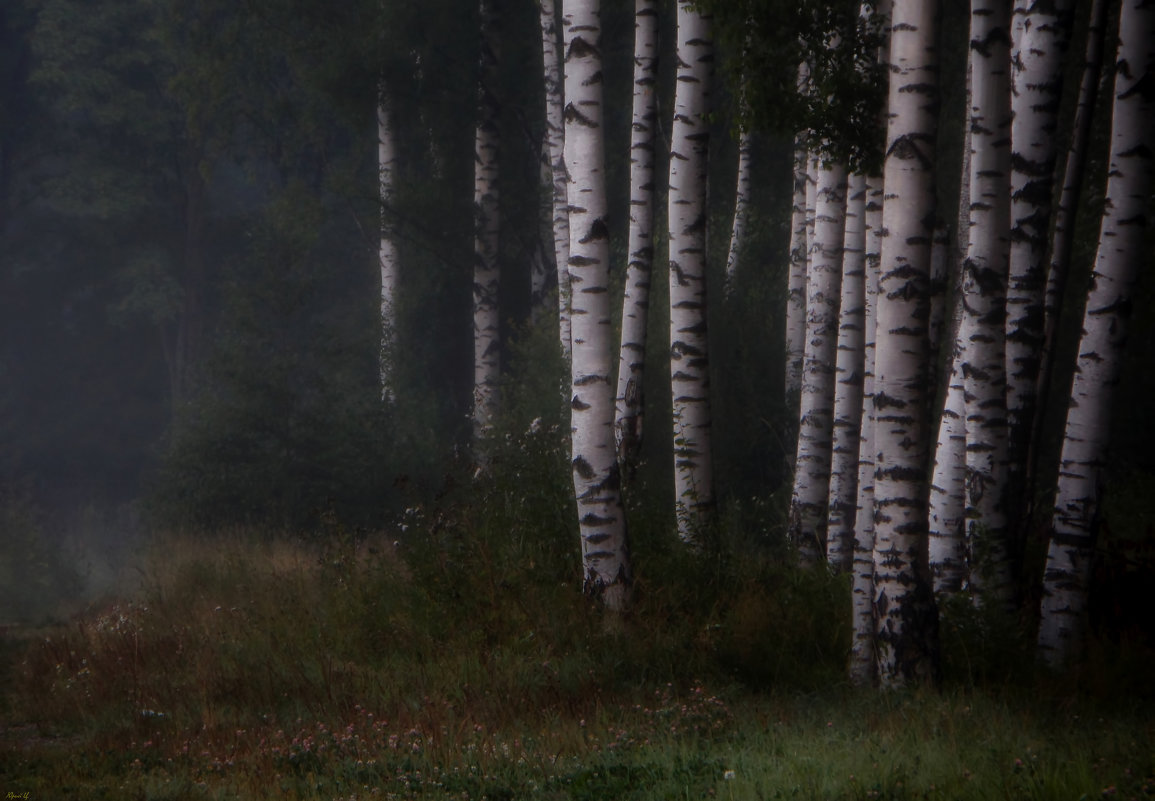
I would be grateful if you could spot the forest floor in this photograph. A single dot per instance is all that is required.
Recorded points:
(272, 668)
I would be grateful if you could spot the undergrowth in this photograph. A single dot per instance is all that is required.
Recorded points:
(454, 656)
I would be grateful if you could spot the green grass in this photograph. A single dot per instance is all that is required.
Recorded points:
(460, 661)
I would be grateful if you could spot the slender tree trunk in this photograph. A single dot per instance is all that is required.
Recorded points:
(387, 251)
(741, 208)
(1061, 239)
(862, 645)
(948, 558)
(1042, 28)
(808, 504)
(636, 304)
(1121, 252)
(541, 257)
(848, 377)
(796, 291)
(907, 621)
(984, 302)
(596, 478)
(486, 322)
(555, 135)
(689, 357)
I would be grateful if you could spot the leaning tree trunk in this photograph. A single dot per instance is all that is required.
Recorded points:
(907, 621)
(387, 250)
(1042, 28)
(555, 136)
(741, 208)
(848, 377)
(636, 304)
(1121, 253)
(984, 302)
(796, 289)
(597, 484)
(947, 551)
(486, 322)
(808, 503)
(689, 359)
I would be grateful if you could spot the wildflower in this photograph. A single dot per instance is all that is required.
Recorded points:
(728, 775)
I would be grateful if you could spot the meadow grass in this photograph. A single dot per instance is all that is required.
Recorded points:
(456, 662)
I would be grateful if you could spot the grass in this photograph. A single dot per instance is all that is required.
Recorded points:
(458, 662)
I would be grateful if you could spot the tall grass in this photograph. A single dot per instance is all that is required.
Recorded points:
(454, 657)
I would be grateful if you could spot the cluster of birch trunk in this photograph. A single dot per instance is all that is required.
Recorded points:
(876, 291)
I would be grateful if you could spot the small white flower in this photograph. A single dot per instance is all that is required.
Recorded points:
(728, 775)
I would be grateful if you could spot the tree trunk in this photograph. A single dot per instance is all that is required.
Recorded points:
(984, 302)
(596, 478)
(808, 504)
(636, 304)
(848, 378)
(689, 358)
(796, 291)
(486, 321)
(1120, 254)
(741, 208)
(907, 621)
(387, 250)
(862, 589)
(555, 135)
(1042, 28)
(948, 558)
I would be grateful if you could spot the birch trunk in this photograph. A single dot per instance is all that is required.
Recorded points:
(906, 618)
(689, 358)
(597, 485)
(1121, 253)
(486, 322)
(796, 290)
(555, 136)
(741, 208)
(387, 249)
(862, 588)
(1042, 28)
(948, 558)
(808, 504)
(635, 306)
(848, 383)
(984, 302)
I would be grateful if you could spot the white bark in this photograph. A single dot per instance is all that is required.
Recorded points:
(1121, 252)
(1041, 33)
(948, 559)
(741, 208)
(605, 553)
(689, 358)
(808, 504)
(848, 382)
(984, 302)
(387, 250)
(555, 136)
(635, 306)
(861, 666)
(796, 290)
(486, 322)
(905, 614)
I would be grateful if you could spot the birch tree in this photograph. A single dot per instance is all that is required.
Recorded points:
(1121, 251)
(387, 247)
(741, 207)
(984, 300)
(808, 504)
(906, 622)
(1041, 30)
(596, 478)
(689, 359)
(486, 322)
(630, 404)
(848, 378)
(555, 137)
(796, 288)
